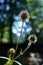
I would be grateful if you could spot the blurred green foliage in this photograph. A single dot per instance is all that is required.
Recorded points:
(35, 9)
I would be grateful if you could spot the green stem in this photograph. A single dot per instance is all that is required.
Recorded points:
(29, 44)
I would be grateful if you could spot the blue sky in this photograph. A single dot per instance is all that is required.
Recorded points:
(1, 1)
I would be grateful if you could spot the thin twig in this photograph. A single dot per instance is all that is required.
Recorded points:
(18, 41)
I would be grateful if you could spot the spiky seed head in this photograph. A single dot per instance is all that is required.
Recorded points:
(24, 15)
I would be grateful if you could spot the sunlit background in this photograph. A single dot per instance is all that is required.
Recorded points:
(10, 22)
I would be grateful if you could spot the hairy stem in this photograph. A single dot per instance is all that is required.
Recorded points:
(18, 41)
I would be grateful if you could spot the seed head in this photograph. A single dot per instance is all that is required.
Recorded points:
(24, 15)
(32, 38)
(12, 50)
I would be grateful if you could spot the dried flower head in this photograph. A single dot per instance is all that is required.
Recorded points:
(24, 15)
(12, 50)
(32, 38)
